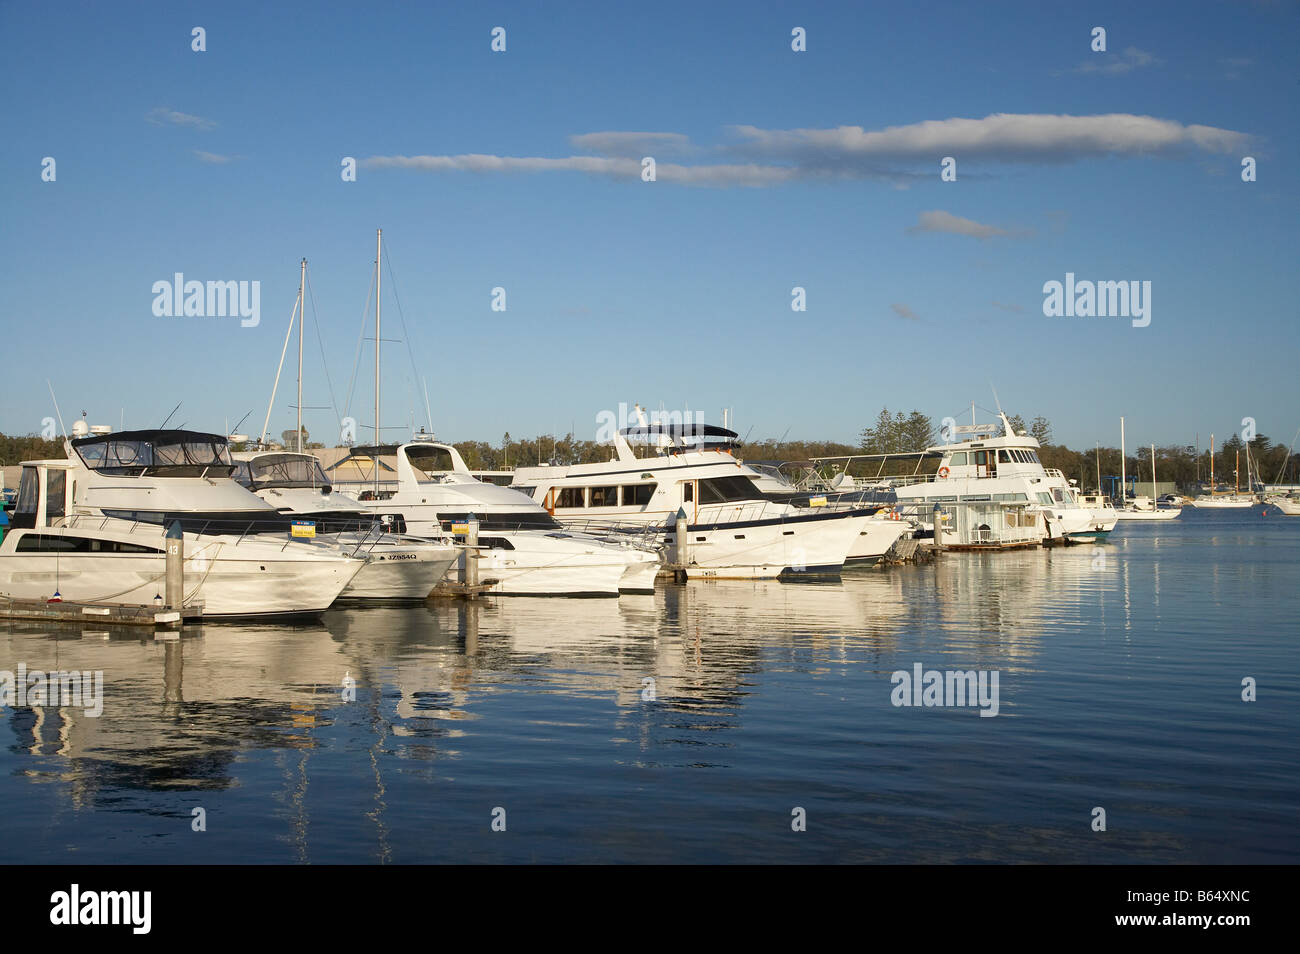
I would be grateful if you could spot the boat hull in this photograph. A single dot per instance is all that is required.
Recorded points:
(230, 578)
(787, 547)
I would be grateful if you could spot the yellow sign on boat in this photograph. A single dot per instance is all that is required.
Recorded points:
(460, 528)
(817, 501)
(303, 528)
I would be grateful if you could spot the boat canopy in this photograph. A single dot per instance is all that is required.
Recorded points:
(173, 453)
(282, 470)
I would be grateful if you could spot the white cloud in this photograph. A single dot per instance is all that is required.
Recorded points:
(633, 144)
(768, 157)
(629, 169)
(939, 221)
(213, 157)
(162, 116)
(903, 311)
(1117, 64)
(1008, 137)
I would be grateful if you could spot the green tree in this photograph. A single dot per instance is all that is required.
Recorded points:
(1041, 430)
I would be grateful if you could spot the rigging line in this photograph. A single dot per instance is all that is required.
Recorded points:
(270, 405)
(356, 363)
(405, 334)
(315, 320)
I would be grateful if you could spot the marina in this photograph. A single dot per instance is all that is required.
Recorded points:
(561, 439)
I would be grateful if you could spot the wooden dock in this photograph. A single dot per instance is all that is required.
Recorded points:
(117, 614)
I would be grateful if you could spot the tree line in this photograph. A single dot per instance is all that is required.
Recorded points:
(893, 432)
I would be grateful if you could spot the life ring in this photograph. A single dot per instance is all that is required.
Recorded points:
(943, 472)
(894, 515)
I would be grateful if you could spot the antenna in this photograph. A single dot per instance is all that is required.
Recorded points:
(56, 408)
(995, 397)
(169, 416)
(428, 413)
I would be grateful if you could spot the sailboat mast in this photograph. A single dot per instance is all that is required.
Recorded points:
(302, 310)
(1153, 475)
(1211, 463)
(379, 274)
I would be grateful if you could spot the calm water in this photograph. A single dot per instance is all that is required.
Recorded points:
(1120, 687)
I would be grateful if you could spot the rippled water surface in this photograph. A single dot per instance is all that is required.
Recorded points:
(1120, 687)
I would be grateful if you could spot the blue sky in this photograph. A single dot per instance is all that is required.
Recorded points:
(225, 165)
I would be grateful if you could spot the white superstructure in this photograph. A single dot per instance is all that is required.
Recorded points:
(398, 567)
(91, 529)
(522, 547)
(734, 531)
(1005, 467)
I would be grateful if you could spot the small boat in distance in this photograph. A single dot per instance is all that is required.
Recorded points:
(1143, 507)
(1289, 504)
(1216, 501)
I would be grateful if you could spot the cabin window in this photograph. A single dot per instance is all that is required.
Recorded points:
(726, 489)
(1044, 498)
(1012, 498)
(64, 543)
(637, 495)
(56, 482)
(1004, 457)
(959, 459)
(430, 459)
(604, 496)
(568, 497)
(1058, 495)
(688, 491)
(28, 492)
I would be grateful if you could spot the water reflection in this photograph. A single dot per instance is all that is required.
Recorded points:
(697, 697)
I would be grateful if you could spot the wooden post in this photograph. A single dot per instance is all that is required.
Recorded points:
(938, 527)
(470, 575)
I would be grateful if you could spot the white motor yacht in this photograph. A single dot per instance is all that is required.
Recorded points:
(91, 528)
(522, 549)
(1289, 504)
(734, 531)
(997, 464)
(398, 567)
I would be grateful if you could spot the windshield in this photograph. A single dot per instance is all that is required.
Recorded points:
(130, 457)
(287, 470)
(725, 489)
